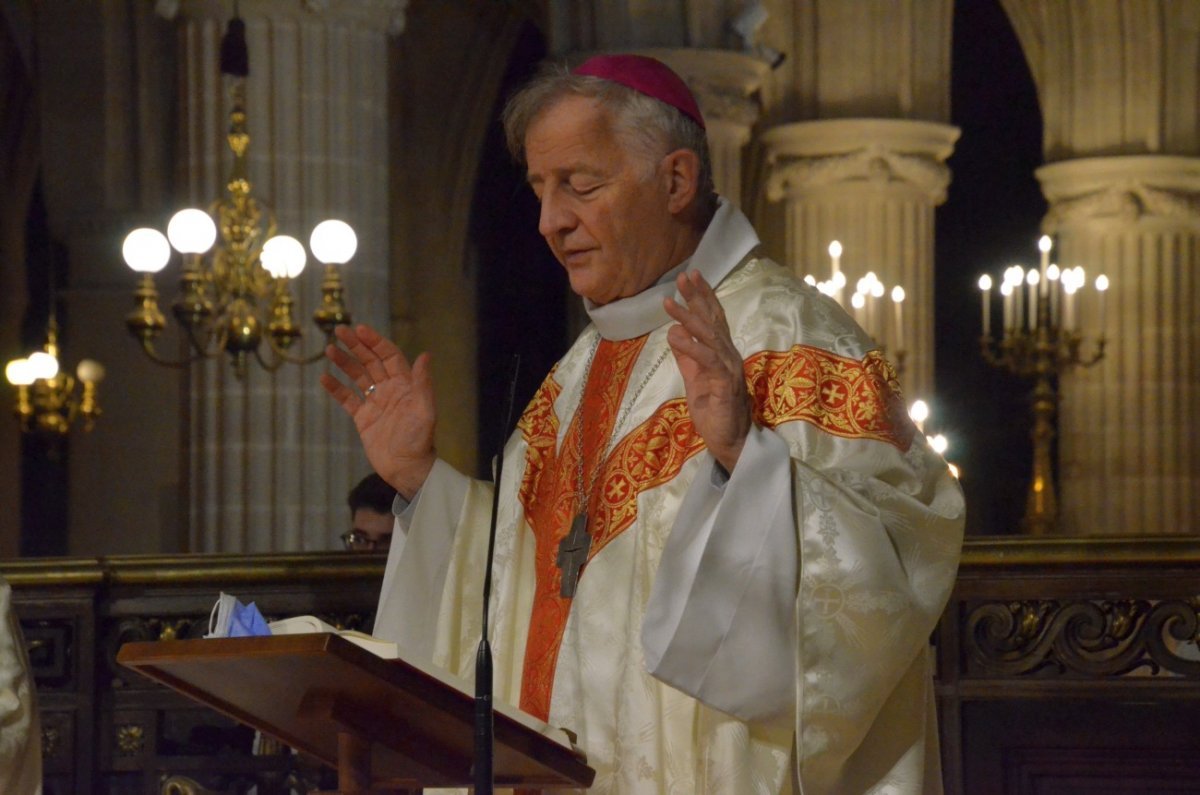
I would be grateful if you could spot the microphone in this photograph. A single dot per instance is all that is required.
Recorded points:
(484, 720)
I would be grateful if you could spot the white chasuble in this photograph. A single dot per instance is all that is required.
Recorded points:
(20, 732)
(762, 633)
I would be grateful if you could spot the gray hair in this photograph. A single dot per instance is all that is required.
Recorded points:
(654, 127)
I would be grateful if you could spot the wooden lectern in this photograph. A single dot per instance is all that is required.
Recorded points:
(385, 725)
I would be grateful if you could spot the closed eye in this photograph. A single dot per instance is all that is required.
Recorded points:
(585, 189)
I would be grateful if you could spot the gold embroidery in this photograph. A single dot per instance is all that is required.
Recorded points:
(856, 400)
(839, 395)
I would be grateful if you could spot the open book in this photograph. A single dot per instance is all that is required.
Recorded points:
(300, 625)
(388, 650)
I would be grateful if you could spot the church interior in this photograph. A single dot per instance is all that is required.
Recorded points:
(894, 152)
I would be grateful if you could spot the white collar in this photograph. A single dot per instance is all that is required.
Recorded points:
(728, 238)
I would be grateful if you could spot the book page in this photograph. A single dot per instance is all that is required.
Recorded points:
(298, 625)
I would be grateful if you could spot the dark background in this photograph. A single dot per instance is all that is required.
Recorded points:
(991, 219)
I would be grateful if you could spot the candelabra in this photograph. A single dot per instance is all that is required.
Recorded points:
(47, 400)
(1041, 339)
(868, 306)
(235, 296)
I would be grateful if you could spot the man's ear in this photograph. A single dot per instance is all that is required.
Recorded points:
(681, 169)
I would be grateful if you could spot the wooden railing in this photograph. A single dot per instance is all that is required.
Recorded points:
(106, 729)
(1070, 666)
(1064, 665)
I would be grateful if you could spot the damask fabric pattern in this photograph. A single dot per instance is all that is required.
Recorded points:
(816, 637)
(20, 732)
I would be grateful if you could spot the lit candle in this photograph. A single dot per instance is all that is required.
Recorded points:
(1044, 244)
(858, 301)
(1006, 291)
(1102, 288)
(1033, 280)
(1018, 279)
(878, 323)
(898, 301)
(985, 284)
(835, 263)
(919, 412)
(1068, 302)
(866, 286)
(835, 256)
(1080, 283)
(1054, 287)
(838, 282)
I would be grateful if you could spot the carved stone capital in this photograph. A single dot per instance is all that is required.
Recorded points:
(877, 154)
(386, 15)
(717, 103)
(1134, 189)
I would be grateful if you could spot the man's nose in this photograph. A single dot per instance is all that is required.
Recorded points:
(555, 216)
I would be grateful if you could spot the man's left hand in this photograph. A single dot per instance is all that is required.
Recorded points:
(713, 378)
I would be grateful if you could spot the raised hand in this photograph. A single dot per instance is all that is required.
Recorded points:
(392, 407)
(711, 366)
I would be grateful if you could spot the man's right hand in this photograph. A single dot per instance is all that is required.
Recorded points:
(395, 420)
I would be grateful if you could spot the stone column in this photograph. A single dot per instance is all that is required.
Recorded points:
(872, 185)
(271, 458)
(1129, 425)
(1118, 87)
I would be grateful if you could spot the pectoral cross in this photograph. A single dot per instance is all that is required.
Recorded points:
(572, 554)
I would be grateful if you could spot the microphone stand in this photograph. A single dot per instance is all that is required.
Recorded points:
(484, 720)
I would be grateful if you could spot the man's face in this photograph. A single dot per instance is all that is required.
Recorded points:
(604, 204)
(370, 530)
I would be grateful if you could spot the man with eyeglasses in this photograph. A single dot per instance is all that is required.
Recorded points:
(370, 515)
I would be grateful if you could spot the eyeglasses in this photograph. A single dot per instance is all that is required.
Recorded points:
(359, 541)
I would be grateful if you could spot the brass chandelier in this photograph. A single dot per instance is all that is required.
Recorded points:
(47, 400)
(236, 295)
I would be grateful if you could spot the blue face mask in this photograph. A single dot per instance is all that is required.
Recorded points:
(247, 621)
(232, 619)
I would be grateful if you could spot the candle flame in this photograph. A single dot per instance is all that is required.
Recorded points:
(919, 411)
